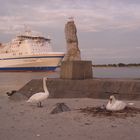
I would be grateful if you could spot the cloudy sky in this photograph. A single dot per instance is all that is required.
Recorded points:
(108, 30)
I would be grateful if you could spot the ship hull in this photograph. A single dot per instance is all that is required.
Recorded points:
(33, 69)
(48, 62)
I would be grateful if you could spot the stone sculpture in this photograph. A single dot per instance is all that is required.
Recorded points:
(73, 52)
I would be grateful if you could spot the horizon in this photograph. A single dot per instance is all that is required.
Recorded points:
(108, 31)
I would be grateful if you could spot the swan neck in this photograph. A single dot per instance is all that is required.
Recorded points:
(112, 101)
(44, 85)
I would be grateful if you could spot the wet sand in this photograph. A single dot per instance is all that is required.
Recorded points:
(22, 121)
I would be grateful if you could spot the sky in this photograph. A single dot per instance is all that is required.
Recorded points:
(108, 30)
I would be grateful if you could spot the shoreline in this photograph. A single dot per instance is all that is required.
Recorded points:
(20, 120)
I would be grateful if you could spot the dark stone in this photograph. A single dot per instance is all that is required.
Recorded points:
(11, 93)
(60, 107)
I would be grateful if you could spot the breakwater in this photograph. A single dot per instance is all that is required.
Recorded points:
(89, 88)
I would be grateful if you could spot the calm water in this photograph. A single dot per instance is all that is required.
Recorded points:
(16, 80)
(121, 72)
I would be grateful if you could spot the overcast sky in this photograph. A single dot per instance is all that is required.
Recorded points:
(108, 30)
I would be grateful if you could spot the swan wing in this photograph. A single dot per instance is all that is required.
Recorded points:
(116, 106)
(38, 97)
(108, 106)
(119, 105)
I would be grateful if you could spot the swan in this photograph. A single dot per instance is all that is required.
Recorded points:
(38, 97)
(115, 105)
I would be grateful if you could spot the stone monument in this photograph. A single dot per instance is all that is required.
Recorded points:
(73, 67)
(73, 52)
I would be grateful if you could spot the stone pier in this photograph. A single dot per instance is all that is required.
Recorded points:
(89, 88)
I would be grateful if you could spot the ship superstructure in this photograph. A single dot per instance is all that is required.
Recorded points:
(29, 52)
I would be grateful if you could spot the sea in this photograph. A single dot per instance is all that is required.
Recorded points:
(16, 80)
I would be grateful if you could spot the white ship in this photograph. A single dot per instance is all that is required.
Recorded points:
(29, 52)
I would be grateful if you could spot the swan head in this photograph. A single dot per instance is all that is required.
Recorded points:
(112, 99)
(45, 78)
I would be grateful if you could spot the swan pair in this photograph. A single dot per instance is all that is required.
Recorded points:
(115, 105)
(39, 97)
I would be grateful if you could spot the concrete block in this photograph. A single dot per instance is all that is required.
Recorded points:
(76, 70)
(90, 88)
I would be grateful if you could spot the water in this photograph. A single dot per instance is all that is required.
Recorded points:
(15, 80)
(117, 72)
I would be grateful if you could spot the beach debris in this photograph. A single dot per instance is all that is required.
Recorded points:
(11, 93)
(60, 107)
(131, 103)
(38, 135)
(103, 112)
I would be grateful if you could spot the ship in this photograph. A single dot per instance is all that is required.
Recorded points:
(29, 52)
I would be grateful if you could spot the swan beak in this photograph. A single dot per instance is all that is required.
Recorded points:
(110, 100)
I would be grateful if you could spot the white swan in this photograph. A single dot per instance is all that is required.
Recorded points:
(38, 97)
(115, 105)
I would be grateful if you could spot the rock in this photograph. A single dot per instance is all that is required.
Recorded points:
(73, 52)
(11, 93)
(60, 107)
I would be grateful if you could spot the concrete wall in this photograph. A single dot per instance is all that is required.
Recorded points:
(89, 88)
(76, 70)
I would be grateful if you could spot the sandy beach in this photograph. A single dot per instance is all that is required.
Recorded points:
(22, 121)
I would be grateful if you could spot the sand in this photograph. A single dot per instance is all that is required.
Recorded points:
(22, 121)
